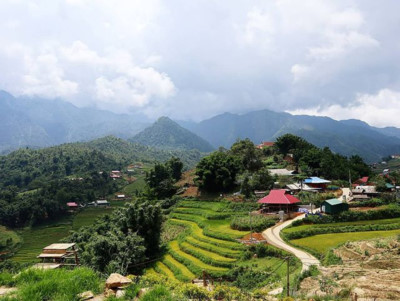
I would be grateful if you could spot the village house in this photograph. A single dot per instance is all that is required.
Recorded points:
(281, 172)
(367, 190)
(103, 203)
(297, 187)
(72, 206)
(334, 206)
(279, 200)
(58, 255)
(317, 183)
(115, 174)
(265, 144)
(361, 182)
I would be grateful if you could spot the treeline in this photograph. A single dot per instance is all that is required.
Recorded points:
(49, 201)
(314, 161)
(241, 165)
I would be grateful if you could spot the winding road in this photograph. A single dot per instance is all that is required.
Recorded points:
(272, 236)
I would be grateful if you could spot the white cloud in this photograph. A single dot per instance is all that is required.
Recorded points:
(163, 57)
(380, 109)
(45, 78)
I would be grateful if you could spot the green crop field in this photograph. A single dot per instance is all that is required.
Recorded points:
(324, 242)
(209, 244)
(368, 222)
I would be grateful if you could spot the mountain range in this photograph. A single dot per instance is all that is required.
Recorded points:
(35, 123)
(346, 137)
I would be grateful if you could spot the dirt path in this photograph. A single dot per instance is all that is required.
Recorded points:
(272, 236)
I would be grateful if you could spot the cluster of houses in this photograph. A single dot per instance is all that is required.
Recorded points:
(73, 206)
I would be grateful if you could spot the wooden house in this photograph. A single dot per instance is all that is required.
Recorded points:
(278, 200)
(58, 255)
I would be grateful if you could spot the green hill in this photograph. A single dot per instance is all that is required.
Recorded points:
(167, 134)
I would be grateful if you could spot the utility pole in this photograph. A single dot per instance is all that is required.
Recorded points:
(251, 228)
(287, 277)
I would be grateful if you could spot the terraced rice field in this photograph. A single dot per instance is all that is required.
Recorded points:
(322, 243)
(208, 244)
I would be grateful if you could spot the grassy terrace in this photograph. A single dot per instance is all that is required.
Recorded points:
(322, 243)
(208, 243)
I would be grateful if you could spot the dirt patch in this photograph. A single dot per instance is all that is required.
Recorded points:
(253, 238)
(370, 269)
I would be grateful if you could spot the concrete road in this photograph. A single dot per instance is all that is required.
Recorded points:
(272, 236)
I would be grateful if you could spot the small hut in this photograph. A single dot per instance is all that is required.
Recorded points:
(334, 206)
(279, 199)
(57, 255)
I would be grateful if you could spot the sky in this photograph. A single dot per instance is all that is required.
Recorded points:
(191, 60)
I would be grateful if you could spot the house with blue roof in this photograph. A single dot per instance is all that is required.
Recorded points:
(317, 183)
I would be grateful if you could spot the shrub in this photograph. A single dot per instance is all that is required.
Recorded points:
(159, 292)
(257, 223)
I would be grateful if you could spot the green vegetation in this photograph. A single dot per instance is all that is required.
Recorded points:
(322, 162)
(9, 241)
(256, 223)
(165, 133)
(161, 178)
(122, 240)
(322, 243)
(59, 284)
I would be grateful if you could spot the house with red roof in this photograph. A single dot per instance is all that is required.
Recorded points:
(279, 199)
(265, 144)
(362, 182)
(72, 205)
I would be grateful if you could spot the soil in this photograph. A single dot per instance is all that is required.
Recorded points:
(256, 237)
(370, 269)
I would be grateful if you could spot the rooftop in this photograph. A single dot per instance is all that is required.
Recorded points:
(279, 196)
(333, 202)
(59, 246)
(316, 180)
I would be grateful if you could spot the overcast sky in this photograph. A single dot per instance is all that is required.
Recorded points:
(195, 59)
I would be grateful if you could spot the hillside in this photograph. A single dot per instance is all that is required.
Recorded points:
(24, 167)
(36, 122)
(344, 137)
(165, 133)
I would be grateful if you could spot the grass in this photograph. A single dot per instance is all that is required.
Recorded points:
(162, 268)
(213, 248)
(8, 239)
(138, 185)
(174, 246)
(35, 239)
(324, 242)
(191, 249)
(183, 270)
(59, 284)
(369, 222)
(197, 233)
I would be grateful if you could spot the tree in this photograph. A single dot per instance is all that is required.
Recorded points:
(160, 181)
(217, 172)
(249, 155)
(175, 165)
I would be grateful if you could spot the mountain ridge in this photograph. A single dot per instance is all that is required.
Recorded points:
(166, 133)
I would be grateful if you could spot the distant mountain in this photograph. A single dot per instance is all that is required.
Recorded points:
(167, 134)
(36, 122)
(345, 137)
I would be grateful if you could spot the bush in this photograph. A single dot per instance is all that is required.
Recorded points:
(256, 223)
(159, 292)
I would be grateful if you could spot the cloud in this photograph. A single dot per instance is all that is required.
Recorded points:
(380, 109)
(178, 57)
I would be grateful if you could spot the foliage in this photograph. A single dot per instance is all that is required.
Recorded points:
(121, 241)
(217, 172)
(256, 223)
(249, 155)
(161, 178)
